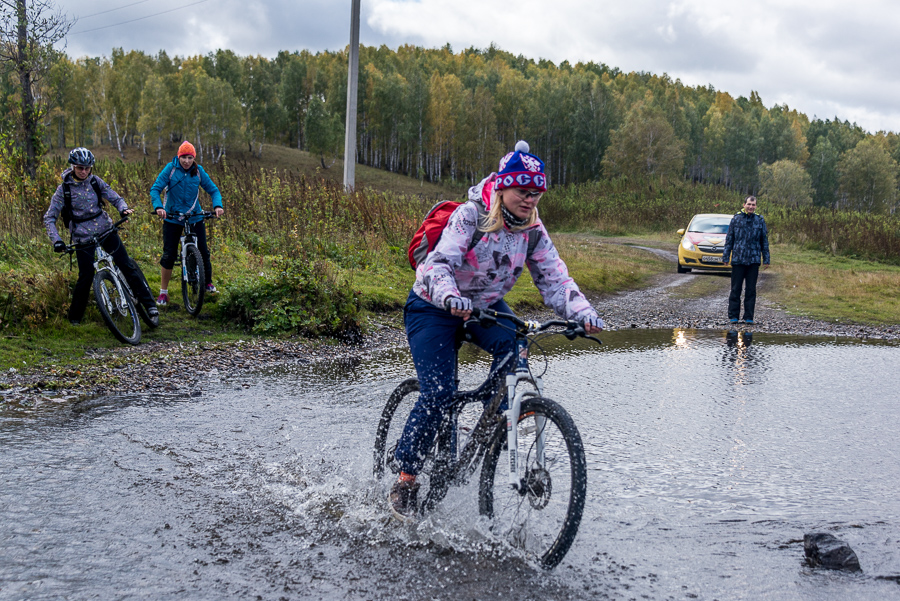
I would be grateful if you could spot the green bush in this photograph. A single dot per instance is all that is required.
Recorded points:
(300, 297)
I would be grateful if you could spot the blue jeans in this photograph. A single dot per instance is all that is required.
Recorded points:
(432, 341)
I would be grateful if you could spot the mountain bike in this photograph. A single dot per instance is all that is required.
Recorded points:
(193, 274)
(117, 303)
(534, 498)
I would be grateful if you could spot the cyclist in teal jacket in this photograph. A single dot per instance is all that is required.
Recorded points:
(182, 180)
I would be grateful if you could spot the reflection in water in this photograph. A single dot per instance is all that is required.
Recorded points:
(742, 360)
(739, 339)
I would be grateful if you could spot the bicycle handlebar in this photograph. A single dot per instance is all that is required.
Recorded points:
(204, 214)
(95, 238)
(572, 329)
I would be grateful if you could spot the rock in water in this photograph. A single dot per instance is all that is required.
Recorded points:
(825, 551)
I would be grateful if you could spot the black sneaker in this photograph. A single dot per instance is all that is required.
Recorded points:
(152, 312)
(403, 499)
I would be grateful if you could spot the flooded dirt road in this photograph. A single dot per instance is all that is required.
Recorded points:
(710, 454)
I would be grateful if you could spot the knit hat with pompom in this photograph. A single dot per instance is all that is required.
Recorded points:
(518, 169)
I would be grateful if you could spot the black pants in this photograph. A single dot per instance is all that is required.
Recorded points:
(85, 256)
(172, 235)
(741, 275)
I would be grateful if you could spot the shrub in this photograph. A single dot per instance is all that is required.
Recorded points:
(301, 297)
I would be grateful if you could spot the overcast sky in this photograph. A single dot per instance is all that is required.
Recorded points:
(825, 58)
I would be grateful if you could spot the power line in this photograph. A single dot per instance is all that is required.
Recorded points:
(103, 12)
(139, 18)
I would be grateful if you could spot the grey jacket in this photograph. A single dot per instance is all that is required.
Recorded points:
(84, 203)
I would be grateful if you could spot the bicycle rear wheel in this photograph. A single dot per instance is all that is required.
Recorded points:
(193, 281)
(150, 321)
(390, 427)
(542, 516)
(116, 309)
(432, 477)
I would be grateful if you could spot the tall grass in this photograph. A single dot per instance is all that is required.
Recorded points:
(293, 238)
(271, 218)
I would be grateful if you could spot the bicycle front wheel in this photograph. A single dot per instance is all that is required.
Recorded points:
(193, 281)
(116, 309)
(541, 515)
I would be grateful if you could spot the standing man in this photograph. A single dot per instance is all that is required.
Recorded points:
(747, 240)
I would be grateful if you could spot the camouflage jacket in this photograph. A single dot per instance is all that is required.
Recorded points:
(747, 240)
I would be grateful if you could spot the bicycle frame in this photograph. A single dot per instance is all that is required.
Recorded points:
(515, 366)
(493, 389)
(103, 261)
(188, 237)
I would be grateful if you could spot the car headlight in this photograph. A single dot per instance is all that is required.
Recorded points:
(687, 245)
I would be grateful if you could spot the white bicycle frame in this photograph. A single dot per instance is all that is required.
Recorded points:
(515, 396)
(103, 261)
(186, 244)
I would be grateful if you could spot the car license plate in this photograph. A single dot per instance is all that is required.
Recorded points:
(709, 259)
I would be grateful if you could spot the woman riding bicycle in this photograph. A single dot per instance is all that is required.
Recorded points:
(86, 217)
(182, 180)
(458, 276)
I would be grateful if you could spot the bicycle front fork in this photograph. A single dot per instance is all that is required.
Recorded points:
(185, 247)
(515, 396)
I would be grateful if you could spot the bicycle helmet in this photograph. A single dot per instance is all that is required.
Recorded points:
(81, 156)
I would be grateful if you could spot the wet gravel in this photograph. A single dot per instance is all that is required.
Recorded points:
(668, 303)
(182, 368)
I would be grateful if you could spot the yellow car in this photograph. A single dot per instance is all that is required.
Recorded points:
(702, 242)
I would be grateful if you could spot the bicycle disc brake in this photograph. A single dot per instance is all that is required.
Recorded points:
(537, 486)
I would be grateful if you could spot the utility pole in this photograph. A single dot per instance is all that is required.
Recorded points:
(352, 85)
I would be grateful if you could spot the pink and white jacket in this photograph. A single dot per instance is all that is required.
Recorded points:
(489, 270)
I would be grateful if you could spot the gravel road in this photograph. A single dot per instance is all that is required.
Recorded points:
(699, 300)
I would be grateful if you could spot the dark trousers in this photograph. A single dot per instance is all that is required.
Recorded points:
(85, 256)
(432, 333)
(743, 276)
(172, 235)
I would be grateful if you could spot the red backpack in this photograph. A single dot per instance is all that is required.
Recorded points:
(428, 234)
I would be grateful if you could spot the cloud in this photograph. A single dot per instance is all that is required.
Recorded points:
(822, 57)
(816, 56)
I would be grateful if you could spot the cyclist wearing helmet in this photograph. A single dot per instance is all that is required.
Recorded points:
(86, 217)
(182, 179)
(459, 276)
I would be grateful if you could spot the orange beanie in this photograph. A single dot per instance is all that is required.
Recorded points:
(186, 148)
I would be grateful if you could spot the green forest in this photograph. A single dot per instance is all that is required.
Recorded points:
(443, 116)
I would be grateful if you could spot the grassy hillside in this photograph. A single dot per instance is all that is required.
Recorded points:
(300, 162)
